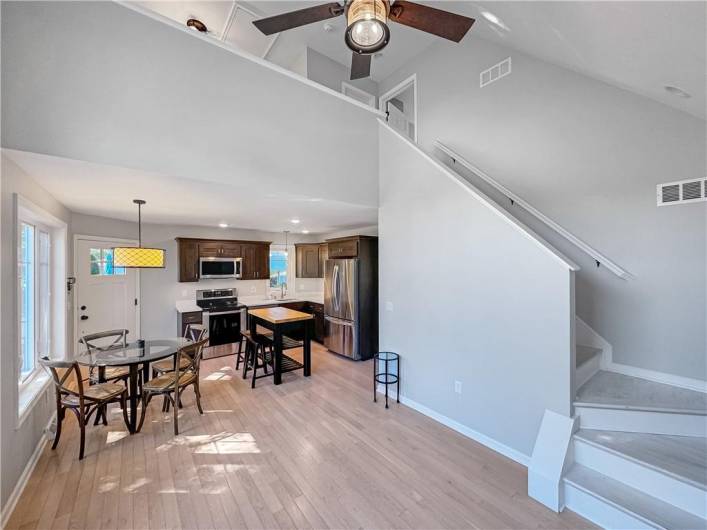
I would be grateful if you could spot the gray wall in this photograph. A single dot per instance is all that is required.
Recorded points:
(330, 73)
(18, 443)
(160, 288)
(589, 156)
(474, 299)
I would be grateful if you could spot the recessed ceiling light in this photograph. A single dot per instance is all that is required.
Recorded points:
(494, 20)
(675, 91)
(196, 25)
(305, 231)
(294, 221)
(223, 225)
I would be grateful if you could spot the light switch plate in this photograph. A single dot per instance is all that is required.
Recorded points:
(389, 306)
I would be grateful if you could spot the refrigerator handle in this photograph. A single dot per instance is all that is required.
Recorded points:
(335, 288)
(335, 320)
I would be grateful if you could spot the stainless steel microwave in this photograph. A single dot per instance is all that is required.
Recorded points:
(211, 268)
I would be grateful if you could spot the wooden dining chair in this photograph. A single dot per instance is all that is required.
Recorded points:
(82, 402)
(193, 332)
(172, 384)
(96, 342)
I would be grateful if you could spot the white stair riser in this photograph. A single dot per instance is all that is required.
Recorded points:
(600, 512)
(641, 421)
(648, 480)
(585, 371)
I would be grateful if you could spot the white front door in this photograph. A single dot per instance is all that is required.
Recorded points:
(106, 296)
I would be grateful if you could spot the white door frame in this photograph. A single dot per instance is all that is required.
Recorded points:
(397, 89)
(74, 312)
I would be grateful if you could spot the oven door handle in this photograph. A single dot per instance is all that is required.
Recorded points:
(225, 312)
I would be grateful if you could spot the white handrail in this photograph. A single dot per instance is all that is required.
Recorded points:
(600, 258)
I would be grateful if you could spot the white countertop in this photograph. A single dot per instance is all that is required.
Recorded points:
(258, 301)
(189, 306)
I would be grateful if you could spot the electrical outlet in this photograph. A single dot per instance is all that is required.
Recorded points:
(184, 293)
(253, 289)
(458, 387)
(389, 306)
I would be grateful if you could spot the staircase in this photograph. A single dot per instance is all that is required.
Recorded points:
(639, 458)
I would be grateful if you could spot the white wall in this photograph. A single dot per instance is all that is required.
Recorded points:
(160, 288)
(331, 74)
(468, 295)
(588, 155)
(18, 442)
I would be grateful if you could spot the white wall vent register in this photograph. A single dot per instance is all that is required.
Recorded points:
(495, 73)
(682, 191)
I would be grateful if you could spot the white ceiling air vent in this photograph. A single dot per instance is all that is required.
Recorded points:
(496, 72)
(682, 191)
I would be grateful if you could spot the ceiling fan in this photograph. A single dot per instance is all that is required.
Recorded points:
(367, 29)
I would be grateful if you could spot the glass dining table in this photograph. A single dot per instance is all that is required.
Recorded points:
(136, 356)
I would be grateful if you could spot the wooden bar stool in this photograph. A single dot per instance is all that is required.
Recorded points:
(258, 354)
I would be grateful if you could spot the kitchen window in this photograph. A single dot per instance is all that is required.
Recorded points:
(278, 268)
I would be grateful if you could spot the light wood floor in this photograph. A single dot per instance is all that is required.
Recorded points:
(311, 453)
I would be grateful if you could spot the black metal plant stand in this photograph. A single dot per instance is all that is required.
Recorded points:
(386, 377)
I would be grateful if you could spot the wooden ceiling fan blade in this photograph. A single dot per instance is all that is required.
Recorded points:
(301, 17)
(441, 23)
(360, 65)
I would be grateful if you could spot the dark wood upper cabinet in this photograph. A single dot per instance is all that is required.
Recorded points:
(323, 255)
(310, 260)
(210, 249)
(345, 247)
(231, 250)
(188, 255)
(307, 260)
(255, 255)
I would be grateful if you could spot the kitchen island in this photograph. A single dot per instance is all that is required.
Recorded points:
(281, 320)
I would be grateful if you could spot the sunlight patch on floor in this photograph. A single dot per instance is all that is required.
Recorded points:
(224, 443)
(139, 483)
(114, 436)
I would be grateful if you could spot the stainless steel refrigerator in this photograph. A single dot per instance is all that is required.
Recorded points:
(351, 307)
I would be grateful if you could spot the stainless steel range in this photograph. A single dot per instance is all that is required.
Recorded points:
(223, 316)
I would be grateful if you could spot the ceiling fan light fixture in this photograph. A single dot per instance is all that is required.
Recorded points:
(366, 25)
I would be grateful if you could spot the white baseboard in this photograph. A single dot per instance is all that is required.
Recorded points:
(489, 442)
(659, 377)
(24, 477)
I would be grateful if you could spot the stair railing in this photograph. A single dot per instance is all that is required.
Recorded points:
(599, 258)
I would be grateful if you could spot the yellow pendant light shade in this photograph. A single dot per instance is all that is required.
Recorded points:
(138, 257)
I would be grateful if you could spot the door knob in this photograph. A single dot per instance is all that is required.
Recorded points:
(84, 317)
(83, 308)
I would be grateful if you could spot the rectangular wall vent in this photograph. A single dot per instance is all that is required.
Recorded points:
(682, 191)
(495, 73)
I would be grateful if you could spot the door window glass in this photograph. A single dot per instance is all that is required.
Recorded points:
(102, 263)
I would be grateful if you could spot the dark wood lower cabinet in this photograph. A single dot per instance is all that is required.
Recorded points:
(312, 308)
(193, 317)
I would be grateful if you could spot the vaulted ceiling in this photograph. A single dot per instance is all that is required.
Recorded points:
(641, 46)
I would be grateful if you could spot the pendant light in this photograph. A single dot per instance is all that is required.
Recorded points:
(138, 257)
